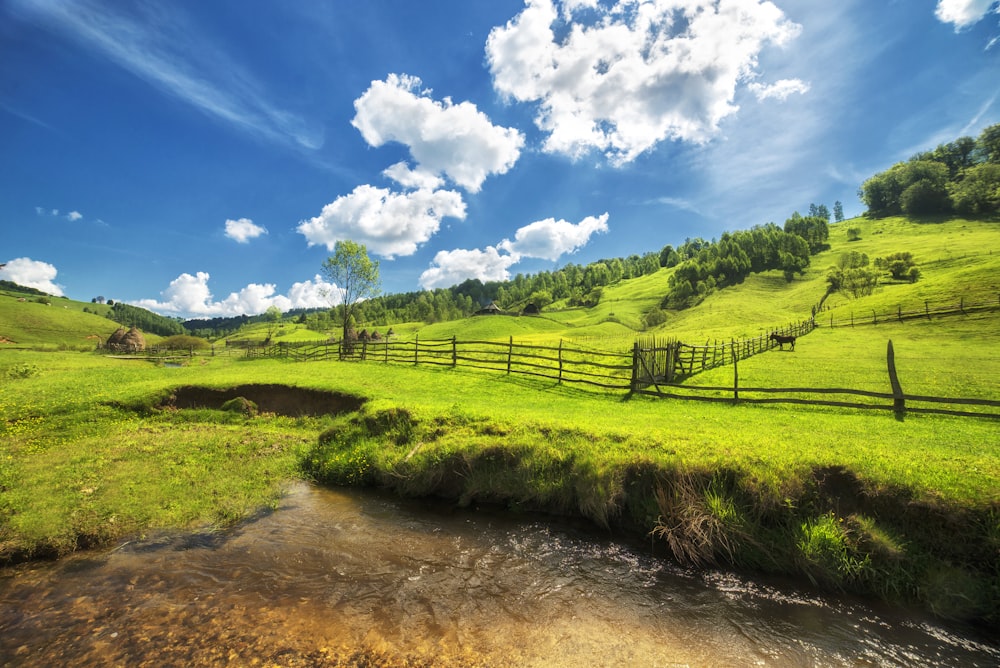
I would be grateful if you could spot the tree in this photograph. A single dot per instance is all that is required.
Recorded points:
(838, 211)
(978, 193)
(272, 316)
(354, 275)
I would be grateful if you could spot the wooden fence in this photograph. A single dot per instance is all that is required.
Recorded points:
(669, 360)
(563, 363)
(927, 310)
(897, 400)
(653, 368)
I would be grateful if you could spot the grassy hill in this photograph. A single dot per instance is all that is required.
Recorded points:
(956, 258)
(61, 322)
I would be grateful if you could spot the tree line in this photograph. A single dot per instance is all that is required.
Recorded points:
(703, 267)
(960, 177)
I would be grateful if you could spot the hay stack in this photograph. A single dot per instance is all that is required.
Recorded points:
(115, 339)
(134, 341)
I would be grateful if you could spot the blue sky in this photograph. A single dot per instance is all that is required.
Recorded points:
(202, 158)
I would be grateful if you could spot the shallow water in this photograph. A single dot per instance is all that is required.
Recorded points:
(333, 570)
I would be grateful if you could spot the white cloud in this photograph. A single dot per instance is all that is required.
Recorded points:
(74, 216)
(243, 230)
(454, 140)
(779, 89)
(388, 223)
(645, 71)
(963, 13)
(453, 267)
(549, 239)
(190, 296)
(412, 178)
(32, 274)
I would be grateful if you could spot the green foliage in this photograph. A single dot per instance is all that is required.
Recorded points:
(355, 274)
(854, 234)
(147, 321)
(241, 405)
(23, 370)
(729, 261)
(955, 177)
(814, 229)
(900, 266)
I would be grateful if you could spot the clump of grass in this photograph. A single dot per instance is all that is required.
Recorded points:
(242, 406)
(828, 551)
(22, 370)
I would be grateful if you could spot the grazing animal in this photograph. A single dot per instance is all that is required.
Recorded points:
(782, 340)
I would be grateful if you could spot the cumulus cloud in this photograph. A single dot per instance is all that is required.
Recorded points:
(189, 296)
(456, 141)
(32, 274)
(388, 223)
(74, 216)
(964, 13)
(549, 239)
(636, 73)
(243, 230)
(453, 267)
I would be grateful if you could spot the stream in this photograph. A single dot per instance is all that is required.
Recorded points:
(333, 570)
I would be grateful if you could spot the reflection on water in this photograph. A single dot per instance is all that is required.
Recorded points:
(332, 571)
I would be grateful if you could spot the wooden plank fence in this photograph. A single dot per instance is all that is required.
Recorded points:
(964, 306)
(654, 368)
(896, 400)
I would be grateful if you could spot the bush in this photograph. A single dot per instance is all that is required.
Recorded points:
(22, 371)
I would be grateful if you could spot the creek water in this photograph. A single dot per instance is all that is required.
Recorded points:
(331, 570)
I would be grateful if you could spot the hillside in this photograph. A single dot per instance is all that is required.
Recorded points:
(24, 320)
(956, 257)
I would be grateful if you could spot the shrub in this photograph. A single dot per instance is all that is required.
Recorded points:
(241, 405)
(22, 371)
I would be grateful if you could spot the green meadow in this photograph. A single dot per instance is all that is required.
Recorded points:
(92, 452)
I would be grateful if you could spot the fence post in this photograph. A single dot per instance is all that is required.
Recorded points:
(635, 365)
(416, 348)
(927, 309)
(454, 351)
(874, 317)
(510, 352)
(736, 375)
(560, 361)
(898, 399)
(852, 318)
(899, 312)
(364, 349)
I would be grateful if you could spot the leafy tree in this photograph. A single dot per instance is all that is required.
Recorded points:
(838, 211)
(814, 229)
(854, 234)
(272, 316)
(355, 275)
(988, 145)
(899, 266)
(978, 193)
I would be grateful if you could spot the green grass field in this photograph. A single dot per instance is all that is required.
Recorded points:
(849, 499)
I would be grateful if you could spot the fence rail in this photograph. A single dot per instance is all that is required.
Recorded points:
(653, 367)
(929, 311)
